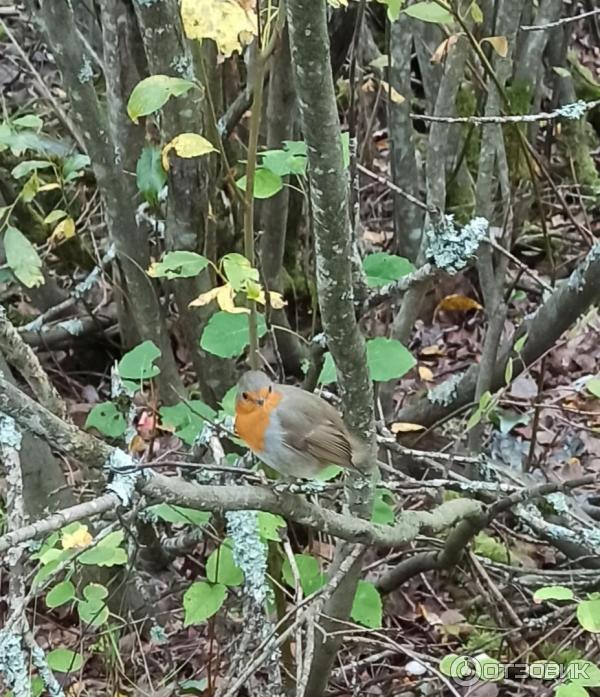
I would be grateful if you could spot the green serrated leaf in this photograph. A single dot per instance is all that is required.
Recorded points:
(201, 601)
(138, 364)
(367, 608)
(154, 92)
(227, 335)
(381, 268)
(22, 258)
(107, 419)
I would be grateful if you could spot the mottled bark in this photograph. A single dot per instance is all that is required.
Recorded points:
(117, 188)
(408, 218)
(307, 21)
(280, 112)
(191, 185)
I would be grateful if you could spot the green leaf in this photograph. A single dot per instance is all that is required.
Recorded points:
(73, 166)
(138, 364)
(178, 514)
(593, 386)
(383, 508)
(284, 162)
(311, 576)
(187, 418)
(553, 593)
(508, 419)
(95, 591)
(561, 72)
(154, 92)
(571, 689)
(367, 608)
(476, 13)
(93, 612)
(429, 12)
(489, 547)
(239, 271)
(150, 175)
(228, 401)
(328, 473)
(107, 419)
(328, 373)
(22, 258)
(388, 359)
(226, 334)
(30, 188)
(194, 687)
(266, 183)
(455, 666)
(393, 9)
(221, 568)
(201, 601)
(64, 660)
(588, 614)
(180, 264)
(269, 524)
(584, 673)
(20, 142)
(381, 268)
(28, 121)
(62, 593)
(54, 216)
(519, 343)
(103, 556)
(346, 149)
(24, 169)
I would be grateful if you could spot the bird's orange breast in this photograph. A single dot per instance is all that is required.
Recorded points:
(252, 420)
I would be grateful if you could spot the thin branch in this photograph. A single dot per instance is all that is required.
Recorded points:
(559, 22)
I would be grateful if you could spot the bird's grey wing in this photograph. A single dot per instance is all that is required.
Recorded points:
(310, 426)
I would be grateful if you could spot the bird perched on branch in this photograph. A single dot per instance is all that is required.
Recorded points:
(295, 432)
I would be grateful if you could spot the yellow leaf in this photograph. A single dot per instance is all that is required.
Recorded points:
(392, 93)
(457, 303)
(405, 427)
(187, 145)
(228, 23)
(203, 298)
(77, 539)
(49, 187)
(63, 231)
(254, 291)
(444, 48)
(224, 295)
(499, 44)
(276, 300)
(431, 351)
(425, 373)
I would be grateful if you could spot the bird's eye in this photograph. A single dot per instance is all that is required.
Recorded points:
(244, 395)
(270, 389)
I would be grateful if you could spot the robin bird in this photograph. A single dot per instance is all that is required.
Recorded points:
(295, 432)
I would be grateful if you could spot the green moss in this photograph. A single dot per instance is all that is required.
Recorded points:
(519, 99)
(577, 140)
